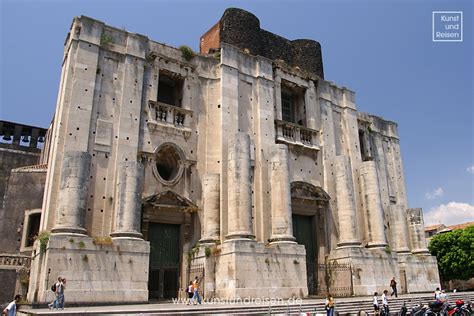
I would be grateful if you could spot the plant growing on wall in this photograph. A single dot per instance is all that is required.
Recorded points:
(43, 238)
(187, 52)
(102, 240)
(207, 252)
(106, 39)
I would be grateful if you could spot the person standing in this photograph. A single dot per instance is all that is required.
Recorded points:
(437, 294)
(376, 304)
(10, 310)
(386, 310)
(55, 288)
(393, 285)
(443, 297)
(61, 294)
(195, 291)
(190, 292)
(329, 305)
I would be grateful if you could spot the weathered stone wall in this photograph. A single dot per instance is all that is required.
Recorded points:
(242, 29)
(12, 157)
(276, 272)
(24, 192)
(8, 278)
(223, 136)
(96, 271)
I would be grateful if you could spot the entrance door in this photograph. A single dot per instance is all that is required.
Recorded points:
(303, 232)
(164, 260)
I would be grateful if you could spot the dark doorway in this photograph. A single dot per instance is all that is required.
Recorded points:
(164, 260)
(303, 232)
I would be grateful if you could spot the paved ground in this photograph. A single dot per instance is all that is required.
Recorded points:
(313, 306)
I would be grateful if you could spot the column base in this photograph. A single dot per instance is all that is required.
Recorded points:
(371, 245)
(282, 239)
(240, 236)
(349, 244)
(69, 230)
(403, 251)
(127, 234)
(421, 252)
(209, 240)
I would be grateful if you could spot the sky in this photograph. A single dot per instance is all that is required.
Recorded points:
(382, 50)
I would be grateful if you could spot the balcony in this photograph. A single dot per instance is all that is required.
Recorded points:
(170, 118)
(294, 134)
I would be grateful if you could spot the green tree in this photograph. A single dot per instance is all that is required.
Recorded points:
(455, 253)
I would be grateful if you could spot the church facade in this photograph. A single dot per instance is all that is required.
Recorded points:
(241, 165)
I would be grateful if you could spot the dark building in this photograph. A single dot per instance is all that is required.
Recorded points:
(22, 179)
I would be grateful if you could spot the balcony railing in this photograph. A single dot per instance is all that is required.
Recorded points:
(167, 115)
(14, 261)
(295, 134)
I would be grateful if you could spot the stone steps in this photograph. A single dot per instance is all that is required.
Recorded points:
(344, 306)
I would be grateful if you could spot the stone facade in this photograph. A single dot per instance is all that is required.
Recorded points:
(245, 168)
(22, 181)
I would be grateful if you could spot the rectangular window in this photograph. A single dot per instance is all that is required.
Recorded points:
(292, 103)
(170, 89)
(286, 111)
(32, 228)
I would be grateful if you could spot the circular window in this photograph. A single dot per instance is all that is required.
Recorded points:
(168, 163)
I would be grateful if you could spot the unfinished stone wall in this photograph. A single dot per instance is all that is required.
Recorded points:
(12, 157)
(24, 192)
(242, 29)
(213, 164)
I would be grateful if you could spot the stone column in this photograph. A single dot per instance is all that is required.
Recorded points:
(73, 193)
(211, 208)
(346, 209)
(400, 235)
(282, 226)
(128, 199)
(372, 204)
(239, 188)
(417, 231)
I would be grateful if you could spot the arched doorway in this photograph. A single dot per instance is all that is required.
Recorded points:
(309, 206)
(167, 224)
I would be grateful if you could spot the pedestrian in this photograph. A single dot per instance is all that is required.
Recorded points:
(437, 294)
(190, 292)
(329, 305)
(10, 310)
(376, 304)
(443, 297)
(386, 310)
(196, 295)
(393, 285)
(55, 303)
(61, 293)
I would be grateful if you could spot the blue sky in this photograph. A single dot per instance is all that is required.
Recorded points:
(382, 50)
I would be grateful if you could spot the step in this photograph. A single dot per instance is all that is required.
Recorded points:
(344, 306)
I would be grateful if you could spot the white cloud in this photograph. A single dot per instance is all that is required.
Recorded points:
(470, 169)
(434, 194)
(450, 214)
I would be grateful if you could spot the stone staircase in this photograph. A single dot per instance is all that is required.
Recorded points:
(344, 306)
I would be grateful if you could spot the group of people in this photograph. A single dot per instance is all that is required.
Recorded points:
(329, 304)
(385, 309)
(58, 289)
(193, 292)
